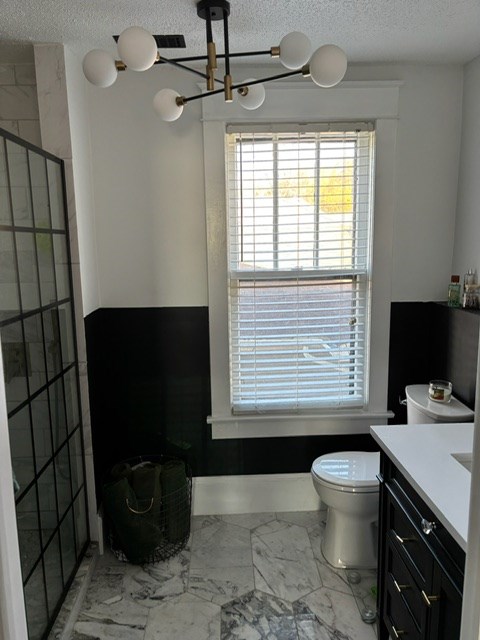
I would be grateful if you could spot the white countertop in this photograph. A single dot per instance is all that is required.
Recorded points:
(423, 454)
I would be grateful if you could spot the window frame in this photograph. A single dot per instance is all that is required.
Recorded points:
(357, 273)
(377, 102)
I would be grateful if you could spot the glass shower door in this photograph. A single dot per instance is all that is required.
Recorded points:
(37, 334)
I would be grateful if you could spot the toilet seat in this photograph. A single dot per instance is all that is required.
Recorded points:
(348, 471)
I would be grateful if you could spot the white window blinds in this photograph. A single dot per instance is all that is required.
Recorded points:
(300, 224)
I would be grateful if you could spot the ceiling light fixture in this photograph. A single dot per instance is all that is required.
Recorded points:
(138, 50)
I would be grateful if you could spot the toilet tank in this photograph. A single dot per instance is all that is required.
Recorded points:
(422, 410)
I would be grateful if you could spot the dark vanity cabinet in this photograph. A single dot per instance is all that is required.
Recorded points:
(421, 567)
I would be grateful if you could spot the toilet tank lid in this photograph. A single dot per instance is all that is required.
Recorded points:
(453, 411)
(348, 468)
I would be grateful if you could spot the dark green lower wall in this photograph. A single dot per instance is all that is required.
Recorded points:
(149, 375)
(149, 379)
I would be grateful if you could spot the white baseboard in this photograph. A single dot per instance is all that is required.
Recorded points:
(254, 494)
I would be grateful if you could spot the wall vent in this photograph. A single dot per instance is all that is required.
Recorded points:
(167, 41)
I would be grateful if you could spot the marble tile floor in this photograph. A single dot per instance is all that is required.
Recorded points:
(241, 577)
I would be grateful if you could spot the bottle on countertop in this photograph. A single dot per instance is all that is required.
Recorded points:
(469, 278)
(471, 299)
(470, 290)
(454, 292)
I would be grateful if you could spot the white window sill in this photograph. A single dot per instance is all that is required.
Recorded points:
(278, 426)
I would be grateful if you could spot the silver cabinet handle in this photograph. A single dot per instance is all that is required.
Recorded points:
(428, 527)
(398, 632)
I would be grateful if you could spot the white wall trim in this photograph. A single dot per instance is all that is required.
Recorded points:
(277, 426)
(219, 495)
(309, 103)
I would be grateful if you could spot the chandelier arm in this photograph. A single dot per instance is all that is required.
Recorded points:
(287, 74)
(183, 100)
(240, 54)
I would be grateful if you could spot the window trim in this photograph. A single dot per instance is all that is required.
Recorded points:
(376, 101)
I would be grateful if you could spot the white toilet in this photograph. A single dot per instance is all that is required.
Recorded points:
(347, 484)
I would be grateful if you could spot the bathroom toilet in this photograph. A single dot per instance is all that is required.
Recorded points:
(347, 485)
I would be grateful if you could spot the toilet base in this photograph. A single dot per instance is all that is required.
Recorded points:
(349, 542)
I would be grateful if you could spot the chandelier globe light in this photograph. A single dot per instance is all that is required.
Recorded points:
(138, 51)
(295, 49)
(137, 48)
(99, 68)
(251, 97)
(165, 104)
(328, 65)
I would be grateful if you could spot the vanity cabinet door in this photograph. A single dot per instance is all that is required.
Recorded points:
(445, 609)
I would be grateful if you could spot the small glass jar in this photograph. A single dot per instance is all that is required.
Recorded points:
(440, 390)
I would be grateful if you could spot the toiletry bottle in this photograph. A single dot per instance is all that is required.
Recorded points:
(469, 278)
(454, 292)
(470, 290)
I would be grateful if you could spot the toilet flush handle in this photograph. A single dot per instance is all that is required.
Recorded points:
(402, 402)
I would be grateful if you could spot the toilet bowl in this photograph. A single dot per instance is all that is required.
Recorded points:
(347, 484)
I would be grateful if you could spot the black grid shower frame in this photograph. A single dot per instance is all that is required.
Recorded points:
(60, 376)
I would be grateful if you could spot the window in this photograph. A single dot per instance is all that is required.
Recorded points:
(299, 263)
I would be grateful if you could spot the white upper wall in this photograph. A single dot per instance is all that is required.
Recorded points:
(428, 147)
(149, 186)
(149, 195)
(467, 230)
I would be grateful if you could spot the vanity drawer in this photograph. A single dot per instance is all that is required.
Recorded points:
(397, 617)
(406, 586)
(409, 543)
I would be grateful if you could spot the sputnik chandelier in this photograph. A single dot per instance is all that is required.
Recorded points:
(138, 51)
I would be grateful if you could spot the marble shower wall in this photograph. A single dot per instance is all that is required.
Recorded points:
(57, 139)
(18, 93)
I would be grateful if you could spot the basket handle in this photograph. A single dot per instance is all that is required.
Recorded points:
(139, 512)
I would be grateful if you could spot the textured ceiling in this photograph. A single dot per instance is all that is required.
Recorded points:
(368, 30)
